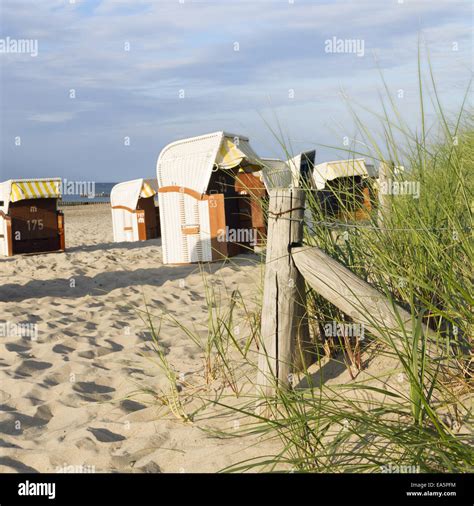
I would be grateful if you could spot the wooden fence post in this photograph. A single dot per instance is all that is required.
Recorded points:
(285, 341)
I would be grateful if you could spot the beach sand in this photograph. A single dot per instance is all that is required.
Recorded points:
(86, 391)
(72, 396)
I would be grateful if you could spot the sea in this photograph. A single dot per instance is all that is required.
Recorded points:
(101, 194)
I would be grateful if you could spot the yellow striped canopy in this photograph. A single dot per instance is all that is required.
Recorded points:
(230, 155)
(35, 189)
(147, 190)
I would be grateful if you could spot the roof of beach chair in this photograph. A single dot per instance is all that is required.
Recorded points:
(279, 174)
(189, 163)
(328, 171)
(126, 194)
(15, 190)
(276, 173)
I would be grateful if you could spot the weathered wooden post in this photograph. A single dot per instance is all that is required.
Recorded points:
(285, 340)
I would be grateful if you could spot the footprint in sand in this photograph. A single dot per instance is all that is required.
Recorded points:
(91, 391)
(100, 351)
(44, 413)
(100, 366)
(195, 296)
(121, 325)
(18, 466)
(70, 333)
(16, 423)
(30, 367)
(7, 444)
(6, 407)
(61, 348)
(147, 337)
(106, 436)
(88, 354)
(115, 346)
(158, 303)
(18, 348)
(58, 376)
(130, 406)
(96, 304)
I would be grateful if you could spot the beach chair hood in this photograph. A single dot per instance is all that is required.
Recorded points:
(276, 174)
(16, 190)
(189, 163)
(328, 171)
(279, 174)
(234, 151)
(127, 194)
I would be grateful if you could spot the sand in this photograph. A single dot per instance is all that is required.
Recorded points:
(86, 390)
(71, 396)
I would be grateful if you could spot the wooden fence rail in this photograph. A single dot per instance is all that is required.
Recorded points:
(349, 293)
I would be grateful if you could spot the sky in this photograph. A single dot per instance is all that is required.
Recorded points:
(114, 81)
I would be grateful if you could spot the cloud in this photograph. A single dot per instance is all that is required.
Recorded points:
(127, 62)
(58, 117)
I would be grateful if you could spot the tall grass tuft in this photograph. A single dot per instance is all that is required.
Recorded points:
(413, 410)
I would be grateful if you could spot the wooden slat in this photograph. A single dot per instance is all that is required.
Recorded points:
(141, 223)
(189, 230)
(61, 231)
(217, 223)
(9, 236)
(352, 295)
(181, 189)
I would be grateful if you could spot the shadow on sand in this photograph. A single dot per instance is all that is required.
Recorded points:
(104, 282)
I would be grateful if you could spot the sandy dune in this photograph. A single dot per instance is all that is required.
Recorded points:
(73, 395)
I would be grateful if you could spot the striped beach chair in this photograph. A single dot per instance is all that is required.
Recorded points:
(30, 221)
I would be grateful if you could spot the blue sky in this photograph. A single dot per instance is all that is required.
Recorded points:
(190, 46)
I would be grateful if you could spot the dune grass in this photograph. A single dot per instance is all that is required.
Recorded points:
(415, 412)
(416, 415)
